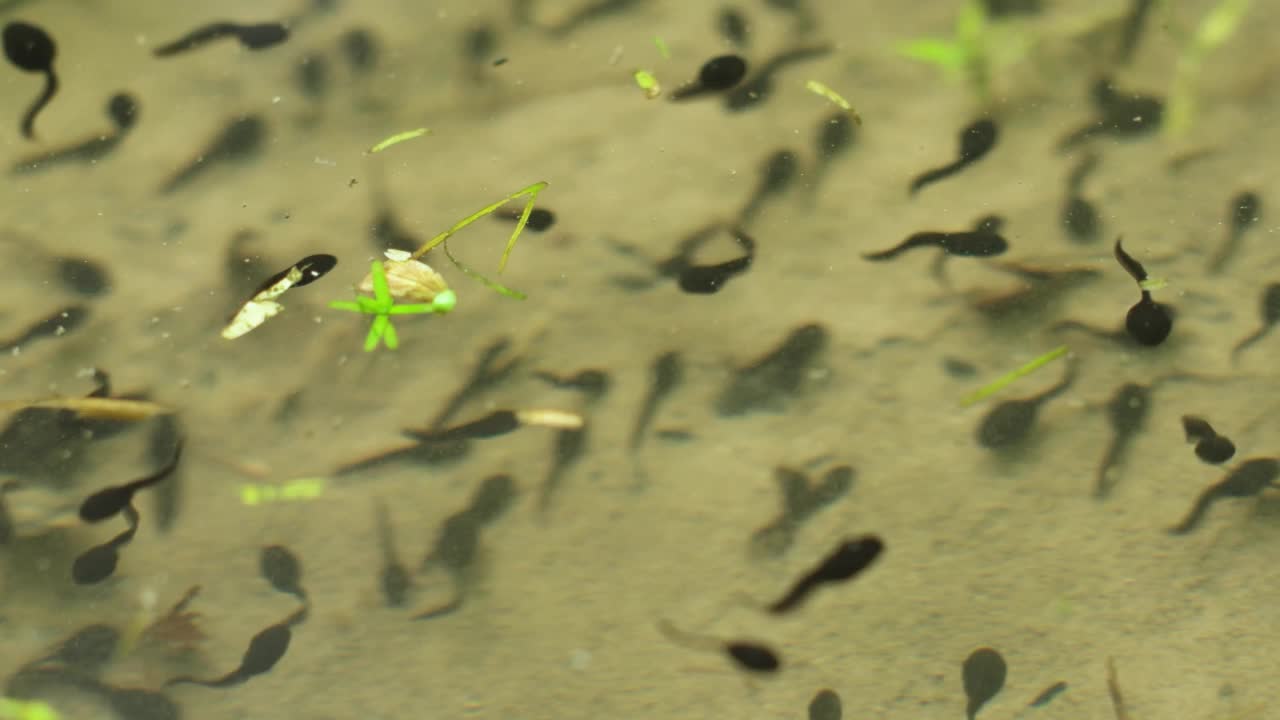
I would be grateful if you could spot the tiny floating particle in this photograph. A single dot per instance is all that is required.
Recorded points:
(646, 81)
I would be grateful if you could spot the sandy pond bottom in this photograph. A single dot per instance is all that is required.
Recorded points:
(1005, 551)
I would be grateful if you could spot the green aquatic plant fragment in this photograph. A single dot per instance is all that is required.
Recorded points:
(1004, 380)
(531, 191)
(494, 286)
(382, 306)
(977, 48)
(398, 138)
(11, 709)
(1214, 30)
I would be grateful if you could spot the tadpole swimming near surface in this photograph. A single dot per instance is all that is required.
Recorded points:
(1148, 322)
(264, 651)
(1244, 212)
(258, 36)
(976, 140)
(1008, 423)
(122, 110)
(32, 50)
(1127, 412)
(1269, 309)
(979, 242)
(848, 560)
(1211, 447)
(716, 75)
(1248, 479)
(113, 499)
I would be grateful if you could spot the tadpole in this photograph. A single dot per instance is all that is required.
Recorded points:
(1148, 322)
(32, 50)
(976, 141)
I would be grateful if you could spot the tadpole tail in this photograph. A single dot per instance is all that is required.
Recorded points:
(1196, 514)
(1225, 252)
(933, 176)
(196, 38)
(1131, 266)
(29, 119)
(1103, 484)
(1244, 344)
(448, 608)
(920, 239)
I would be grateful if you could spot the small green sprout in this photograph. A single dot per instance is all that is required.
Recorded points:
(1214, 30)
(382, 306)
(1004, 380)
(978, 47)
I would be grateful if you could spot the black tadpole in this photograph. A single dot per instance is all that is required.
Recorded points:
(1211, 447)
(969, 243)
(122, 110)
(99, 562)
(718, 74)
(1127, 413)
(280, 567)
(1244, 213)
(265, 650)
(976, 140)
(1008, 423)
(709, 279)
(1148, 322)
(849, 559)
(1269, 309)
(109, 501)
(754, 657)
(1248, 479)
(983, 672)
(31, 49)
(252, 37)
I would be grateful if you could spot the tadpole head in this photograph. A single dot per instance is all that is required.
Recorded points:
(978, 138)
(122, 108)
(28, 47)
(1148, 322)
